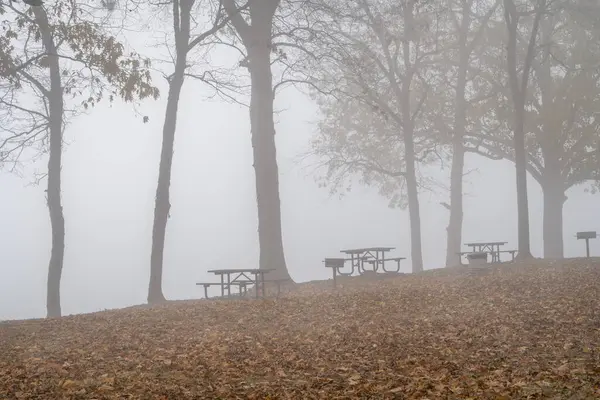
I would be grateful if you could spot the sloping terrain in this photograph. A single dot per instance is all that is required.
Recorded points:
(505, 332)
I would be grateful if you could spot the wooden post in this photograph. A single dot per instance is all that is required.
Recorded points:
(334, 264)
(587, 247)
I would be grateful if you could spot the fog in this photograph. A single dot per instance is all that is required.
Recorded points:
(110, 169)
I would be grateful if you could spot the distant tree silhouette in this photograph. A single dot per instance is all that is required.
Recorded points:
(518, 88)
(560, 123)
(374, 65)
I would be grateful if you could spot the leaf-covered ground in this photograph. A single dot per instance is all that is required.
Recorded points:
(506, 332)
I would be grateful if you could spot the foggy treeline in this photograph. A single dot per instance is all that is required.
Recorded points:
(401, 85)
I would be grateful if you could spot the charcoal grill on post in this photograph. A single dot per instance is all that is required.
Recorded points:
(586, 236)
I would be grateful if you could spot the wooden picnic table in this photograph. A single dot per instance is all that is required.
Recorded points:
(372, 255)
(358, 257)
(487, 247)
(241, 277)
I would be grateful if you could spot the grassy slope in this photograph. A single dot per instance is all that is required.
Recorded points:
(518, 331)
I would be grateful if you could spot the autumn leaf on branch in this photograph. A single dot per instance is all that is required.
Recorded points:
(94, 66)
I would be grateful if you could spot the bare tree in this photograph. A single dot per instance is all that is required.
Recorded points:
(49, 72)
(561, 127)
(518, 89)
(185, 41)
(380, 55)
(354, 141)
(256, 33)
(55, 114)
(470, 23)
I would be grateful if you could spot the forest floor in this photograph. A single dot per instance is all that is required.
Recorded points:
(503, 332)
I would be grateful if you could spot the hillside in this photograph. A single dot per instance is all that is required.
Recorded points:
(505, 332)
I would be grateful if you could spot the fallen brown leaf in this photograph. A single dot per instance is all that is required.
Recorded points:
(517, 331)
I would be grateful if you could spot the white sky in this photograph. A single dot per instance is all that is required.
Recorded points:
(109, 181)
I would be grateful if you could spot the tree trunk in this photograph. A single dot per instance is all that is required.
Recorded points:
(163, 205)
(454, 230)
(57, 221)
(524, 246)
(265, 162)
(404, 97)
(554, 198)
(519, 95)
(412, 188)
(412, 191)
(257, 39)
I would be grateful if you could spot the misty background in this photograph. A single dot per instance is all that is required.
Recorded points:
(109, 182)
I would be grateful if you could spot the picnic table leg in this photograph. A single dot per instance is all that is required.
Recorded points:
(335, 275)
(222, 286)
(205, 291)
(351, 272)
(256, 284)
(228, 285)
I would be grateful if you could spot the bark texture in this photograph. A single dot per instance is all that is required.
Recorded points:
(412, 189)
(256, 37)
(554, 199)
(454, 230)
(265, 164)
(53, 192)
(181, 20)
(519, 95)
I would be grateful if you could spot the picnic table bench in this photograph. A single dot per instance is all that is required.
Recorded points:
(513, 253)
(243, 289)
(276, 282)
(382, 261)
